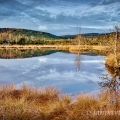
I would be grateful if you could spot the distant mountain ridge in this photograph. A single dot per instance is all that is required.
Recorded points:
(84, 35)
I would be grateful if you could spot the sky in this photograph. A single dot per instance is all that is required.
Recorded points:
(60, 17)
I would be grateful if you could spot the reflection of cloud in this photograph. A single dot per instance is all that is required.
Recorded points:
(92, 61)
(69, 76)
(55, 60)
(57, 69)
(58, 66)
(42, 59)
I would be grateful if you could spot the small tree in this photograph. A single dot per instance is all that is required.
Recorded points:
(21, 41)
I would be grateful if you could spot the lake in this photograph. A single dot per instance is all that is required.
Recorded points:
(62, 70)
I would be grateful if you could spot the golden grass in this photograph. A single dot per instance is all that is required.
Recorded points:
(35, 46)
(110, 60)
(90, 48)
(28, 103)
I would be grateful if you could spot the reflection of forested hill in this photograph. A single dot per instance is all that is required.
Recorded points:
(24, 53)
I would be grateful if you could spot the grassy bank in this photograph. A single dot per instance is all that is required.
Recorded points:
(70, 48)
(58, 47)
(30, 103)
(61, 47)
(112, 60)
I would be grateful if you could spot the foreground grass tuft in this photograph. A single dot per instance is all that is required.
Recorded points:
(30, 103)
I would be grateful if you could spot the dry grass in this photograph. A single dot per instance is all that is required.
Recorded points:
(110, 60)
(91, 48)
(30, 103)
(35, 46)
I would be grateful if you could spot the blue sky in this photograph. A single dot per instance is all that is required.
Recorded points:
(60, 17)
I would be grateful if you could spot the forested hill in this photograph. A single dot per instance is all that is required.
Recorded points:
(28, 33)
(42, 35)
(27, 37)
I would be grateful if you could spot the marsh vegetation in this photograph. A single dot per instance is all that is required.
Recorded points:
(30, 103)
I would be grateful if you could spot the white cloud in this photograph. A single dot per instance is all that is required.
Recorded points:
(42, 27)
(61, 16)
(99, 27)
(80, 10)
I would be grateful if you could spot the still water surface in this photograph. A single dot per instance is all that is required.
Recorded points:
(59, 69)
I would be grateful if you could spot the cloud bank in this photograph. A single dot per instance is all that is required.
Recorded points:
(60, 16)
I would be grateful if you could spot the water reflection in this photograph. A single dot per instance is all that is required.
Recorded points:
(78, 61)
(111, 82)
(59, 66)
(24, 53)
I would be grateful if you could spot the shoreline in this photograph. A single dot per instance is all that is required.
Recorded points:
(71, 47)
(18, 51)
